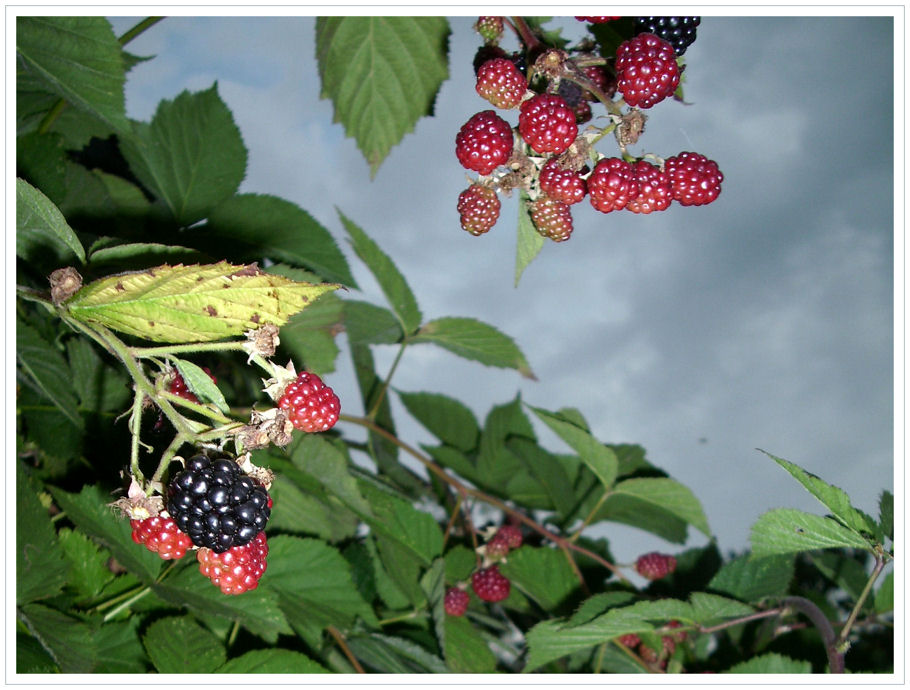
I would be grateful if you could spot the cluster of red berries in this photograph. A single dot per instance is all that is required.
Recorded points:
(311, 405)
(547, 157)
(487, 582)
(649, 655)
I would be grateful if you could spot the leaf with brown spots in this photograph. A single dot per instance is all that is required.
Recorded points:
(197, 303)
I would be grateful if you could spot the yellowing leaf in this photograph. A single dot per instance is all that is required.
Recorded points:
(182, 304)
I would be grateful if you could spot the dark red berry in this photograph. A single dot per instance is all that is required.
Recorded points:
(178, 386)
(694, 179)
(547, 123)
(655, 566)
(161, 535)
(602, 80)
(238, 569)
(456, 601)
(511, 534)
(654, 192)
(497, 548)
(479, 208)
(310, 404)
(631, 640)
(596, 20)
(500, 82)
(612, 184)
(490, 585)
(552, 219)
(484, 142)
(566, 186)
(646, 70)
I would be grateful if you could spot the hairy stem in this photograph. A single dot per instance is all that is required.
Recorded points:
(165, 350)
(135, 426)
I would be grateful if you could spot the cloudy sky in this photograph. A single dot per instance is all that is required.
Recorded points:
(762, 320)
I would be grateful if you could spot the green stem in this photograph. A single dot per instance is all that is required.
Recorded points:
(851, 619)
(590, 517)
(235, 629)
(388, 380)
(146, 23)
(117, 599)
(167, 350)
(195, 407)
(126, 604)
(135, 428)
(600, 657)
(166, 457)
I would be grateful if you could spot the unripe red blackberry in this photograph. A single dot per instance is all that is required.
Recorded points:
(311, 405)
(178, 386)
(694, 179)
(631, 640)
(489, 28)
(552, 219)
(567, 186)
(490, 585)
(238, 569)
(596, 20)
(216, 505)
(654, 565)
(511, 534)
(646, 70)
(160, 535)
(500, 82)
(654, 191)
(484, 142)
(603, 80)
(547, 123)
(496, 548)
(456, 601)
(479, 208)
(611, 184)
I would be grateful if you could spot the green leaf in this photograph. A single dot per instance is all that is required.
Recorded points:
(118, 649)
(101, 387)
(180, 304)
(90, 512)
(47, 368)
(460, 562)
(598, 457)
(886, 514)
(752, 579)
(771, 663)
(785, 530)
(475, 340)
(256, 610)
(322, 461)
(191, 155)
(110, 255)
(88, 565)
(200, 384)
(272, 661)
(317, 579)
(709, 609)
(382, 74)
(181, 645)
(41, 159)
(298, 512)
(41, 228)
(842, 569)
(389, 654)
(79, 59)
(465, 650)
(668, 495)
(367, 323)
(598, 604)
(543, 574)
(530, 242)
(401, 522)
(497, 466)
(835, 499)
(391, 281)
(41, 571)
(246, 227)
(446, 418)
(884, 595)
(549, 473)
(69, 642)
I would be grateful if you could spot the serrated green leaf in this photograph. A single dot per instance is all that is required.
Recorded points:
(304, 513)
(181, 304)
(446, 418)
(41, 160)
(48, 370)
(256, 610)
(272, 661)
(79, 59)
(543, 574)
(668, 495)
(90, 512)
(709, 609)
(41, 571)
(884, 595)
(118, 649)
(465, 650)
(460, 562)
(752, 579)
(111, 254)
(191, 155)
(393, 284)
(41, 230)
(475, 340)
(496, 465)
(367, 323)
(88, 571)
(771, 663)
(389, 654)
(100, 387)
(630, 510)
(886, 514)
(546, 469)
(322, 461)
(382, 74)
(200, 383)
(181, 645)
(69, 641)
(530, 242)
(842, 569)
(246, 227)
(598, 604)
(785, 530)
(835, 499)
(599, 458)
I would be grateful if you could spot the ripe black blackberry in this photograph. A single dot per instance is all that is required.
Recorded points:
(216, 505)
(679, 32)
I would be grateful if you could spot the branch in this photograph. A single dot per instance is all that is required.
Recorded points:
(835, 657)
